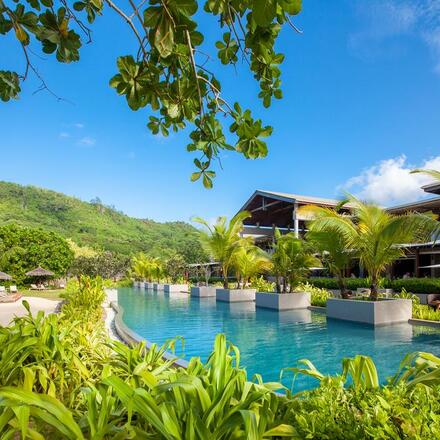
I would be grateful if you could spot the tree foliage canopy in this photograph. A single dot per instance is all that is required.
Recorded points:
(168, 73)
(24, 249)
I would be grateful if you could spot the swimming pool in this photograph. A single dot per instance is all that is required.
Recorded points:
(270, 340)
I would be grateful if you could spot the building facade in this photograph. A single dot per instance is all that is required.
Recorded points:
(270, 210)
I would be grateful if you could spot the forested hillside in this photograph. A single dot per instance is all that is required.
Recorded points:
(95, 224)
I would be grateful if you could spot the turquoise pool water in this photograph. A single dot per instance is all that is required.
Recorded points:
(268, 340)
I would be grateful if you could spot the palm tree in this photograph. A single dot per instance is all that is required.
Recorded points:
(292, 261)
(334, 253)
(250, 261)
(377, 237)
(141, 266)
(222, 240)
(433, 173)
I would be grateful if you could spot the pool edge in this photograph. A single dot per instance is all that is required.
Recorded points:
(130, 337)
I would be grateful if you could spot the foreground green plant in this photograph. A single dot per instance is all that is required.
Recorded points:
(223, 240)
(318, 297)
(63, 379)
(292, 261)
(167, 72)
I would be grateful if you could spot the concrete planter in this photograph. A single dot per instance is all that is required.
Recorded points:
(282, 301)
(203, 291)
(235, 295)
(384, 311)
(366, 291)
(173, 288)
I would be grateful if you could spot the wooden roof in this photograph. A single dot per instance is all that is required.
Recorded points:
(270, 208)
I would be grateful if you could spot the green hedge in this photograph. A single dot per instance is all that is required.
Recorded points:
(413, 285)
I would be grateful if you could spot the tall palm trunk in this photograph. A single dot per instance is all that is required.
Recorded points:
(278, 283)
(374, 287)
(225, 277)
(341, 284)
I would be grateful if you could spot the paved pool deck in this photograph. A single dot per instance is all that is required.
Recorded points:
(9, 310)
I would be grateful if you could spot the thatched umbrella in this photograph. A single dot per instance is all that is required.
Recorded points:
(39, 272)
(5, 276)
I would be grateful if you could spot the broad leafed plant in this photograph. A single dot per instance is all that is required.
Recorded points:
(377, 237)
(170, 72)
(222, 240)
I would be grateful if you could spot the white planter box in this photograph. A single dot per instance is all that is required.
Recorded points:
(149, 286)
(170, 288)
(235, 295)
(385, 311)
(283, 301)
(159, 287)
(203, 291)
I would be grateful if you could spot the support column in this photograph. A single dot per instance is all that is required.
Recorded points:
(295, 220)
(417, 264)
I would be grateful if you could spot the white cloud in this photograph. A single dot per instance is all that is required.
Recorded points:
(78, 125)
(389, 182)
(387, 19)
(64, 134)
(87, 141)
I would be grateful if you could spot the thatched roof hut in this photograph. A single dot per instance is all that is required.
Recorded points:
(39, 272)
(5, 276)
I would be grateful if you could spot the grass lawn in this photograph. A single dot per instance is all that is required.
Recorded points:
(48, 294)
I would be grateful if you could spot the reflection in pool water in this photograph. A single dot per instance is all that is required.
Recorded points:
(268, 340)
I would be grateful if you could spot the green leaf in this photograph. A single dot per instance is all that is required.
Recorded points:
(264, 11)
(164, 36)
(292, 7)
(207, 181)
(9, 85)
(195, 176)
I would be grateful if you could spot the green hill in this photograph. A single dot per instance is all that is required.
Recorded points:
(95, 224)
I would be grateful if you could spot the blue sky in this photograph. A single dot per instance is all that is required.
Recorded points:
(361, 106)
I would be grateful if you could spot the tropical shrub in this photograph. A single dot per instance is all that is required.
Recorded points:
(262, 285)
(84, 299)
(23, 249)
(416, 285)
(318, 297)
(335, 255)
(222, 240)
(104, 264)
(60, 380)
(413, 285)
(373, 233)
(176, 268)
(248, 262)
(147, 268)
(292, 261)
(423, 311)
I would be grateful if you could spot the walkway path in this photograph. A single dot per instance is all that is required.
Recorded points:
(9, 310)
